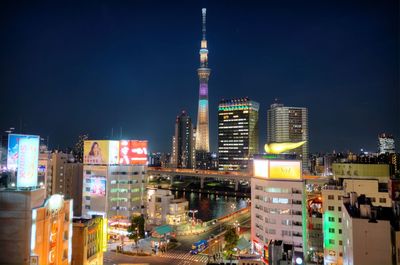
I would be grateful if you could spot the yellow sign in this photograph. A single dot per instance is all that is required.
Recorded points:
(101, 152)
(281, 169)
(277, 169)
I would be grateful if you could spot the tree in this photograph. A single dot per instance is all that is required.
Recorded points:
(231, 240)
(136, 229)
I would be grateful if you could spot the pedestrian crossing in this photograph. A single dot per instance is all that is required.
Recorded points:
(185, 257)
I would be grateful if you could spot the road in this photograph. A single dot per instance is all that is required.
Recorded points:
(176, 258)
(187, 241)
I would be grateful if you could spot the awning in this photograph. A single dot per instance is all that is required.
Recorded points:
(243, 244)
(162, 230)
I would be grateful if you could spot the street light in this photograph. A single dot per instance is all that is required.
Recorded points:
(193, 212)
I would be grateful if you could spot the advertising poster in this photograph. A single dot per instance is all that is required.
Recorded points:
(97, 186)
(27, 165)
(101, 152)
(13, 145)
(284, 169)
(133, 152)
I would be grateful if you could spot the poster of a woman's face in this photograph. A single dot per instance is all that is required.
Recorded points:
(95, 155)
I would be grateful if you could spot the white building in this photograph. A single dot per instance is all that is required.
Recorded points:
(366, 232)
(162, 208)
(332, 197)
(278, 211)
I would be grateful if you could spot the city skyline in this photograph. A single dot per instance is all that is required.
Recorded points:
(300, 74)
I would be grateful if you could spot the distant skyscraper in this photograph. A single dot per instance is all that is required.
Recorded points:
(202, 133)
(289, 124)
(386, 144)
(182, 149)
(237, 133)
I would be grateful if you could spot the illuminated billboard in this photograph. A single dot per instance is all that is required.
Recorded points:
(27, 164)
(102, 152)
(133, 152)
(13, 145)
(278, 169)
(97, 185)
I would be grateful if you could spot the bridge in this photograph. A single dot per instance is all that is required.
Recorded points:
(236, 176)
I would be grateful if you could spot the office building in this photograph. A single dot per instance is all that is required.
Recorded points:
(35, 230)
(202, 133)
(386, 144)
(89, 240)
(366, 232)
(67, 178)
(289, 124)
(183, 152)
(114, 177)
(237, 133)
(278, 213)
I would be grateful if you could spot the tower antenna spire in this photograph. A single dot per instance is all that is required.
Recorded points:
(204, 12)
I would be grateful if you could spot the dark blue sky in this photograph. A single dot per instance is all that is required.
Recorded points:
(68, 68)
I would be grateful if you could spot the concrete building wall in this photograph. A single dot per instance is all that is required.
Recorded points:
(366, 243)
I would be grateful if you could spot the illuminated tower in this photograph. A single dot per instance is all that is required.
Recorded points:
(202, 130)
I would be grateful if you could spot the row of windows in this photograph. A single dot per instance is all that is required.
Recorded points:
(332, 219)
(373, 199)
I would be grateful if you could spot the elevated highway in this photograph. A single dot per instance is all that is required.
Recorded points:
(201, 174)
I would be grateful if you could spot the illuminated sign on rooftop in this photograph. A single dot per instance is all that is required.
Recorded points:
(277, 169)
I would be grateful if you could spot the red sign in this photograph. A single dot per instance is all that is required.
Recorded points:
(133, 152)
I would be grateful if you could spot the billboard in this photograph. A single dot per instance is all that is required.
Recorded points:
(27, 162)
(102, 152)
(97, 185)
(133, 152)
(277, 169)
(13, 145)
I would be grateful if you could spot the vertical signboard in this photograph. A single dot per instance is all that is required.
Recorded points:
(23, 156)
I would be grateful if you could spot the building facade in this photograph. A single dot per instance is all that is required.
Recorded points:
(289, 124)
(386, 144)
(67, 178)
(183, 152)
(162, 208)
(113, 190)
(237, 133)
(366, 232)
(278, 213)
(35, 230)
(89, 241)
(333, 222)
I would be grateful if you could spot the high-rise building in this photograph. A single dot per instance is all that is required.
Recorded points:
(278, 211)
(386, 144)
(289, 124)
(114, 175)
(35, 230)
(67, 178)
(237, 133)
(183, 153)
(202, 133)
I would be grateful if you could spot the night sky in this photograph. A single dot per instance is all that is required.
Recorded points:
(68, 68)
